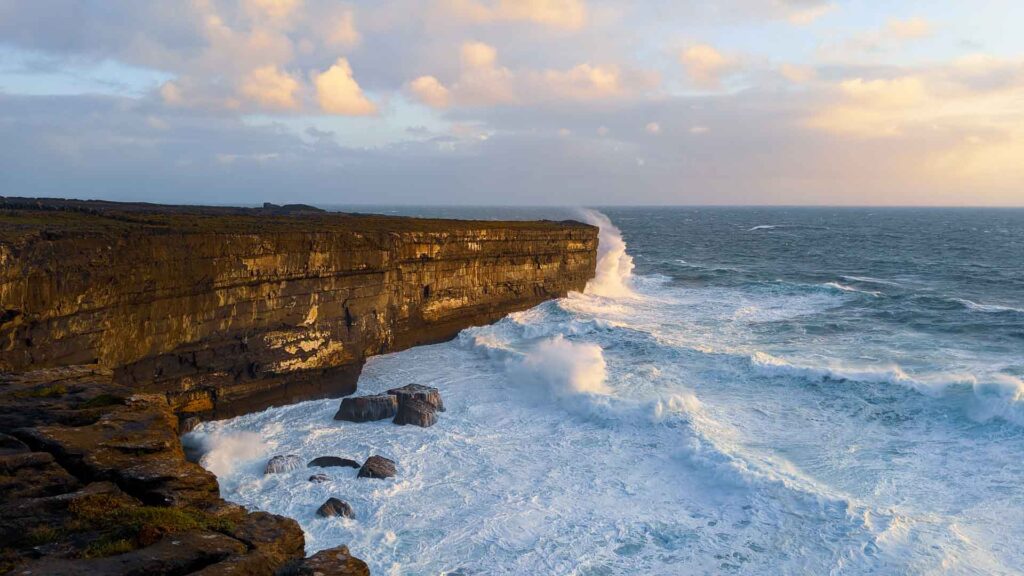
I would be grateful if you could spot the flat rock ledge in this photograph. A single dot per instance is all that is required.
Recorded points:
(427, 394)
(94, 482)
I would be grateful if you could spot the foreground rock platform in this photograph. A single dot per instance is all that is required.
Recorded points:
(94, 482)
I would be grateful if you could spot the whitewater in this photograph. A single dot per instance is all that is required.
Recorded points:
(700, 409)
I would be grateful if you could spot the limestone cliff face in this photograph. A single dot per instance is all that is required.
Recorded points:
(229, 310)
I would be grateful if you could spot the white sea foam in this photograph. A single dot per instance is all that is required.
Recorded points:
(614, 265)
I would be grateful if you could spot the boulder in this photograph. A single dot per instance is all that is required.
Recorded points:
(334, 507)
(378, 467)
(367, 408)
(283, 463)
(420, 392)
(332, 462)
(319, 478)
(334, 562)
(416, 412)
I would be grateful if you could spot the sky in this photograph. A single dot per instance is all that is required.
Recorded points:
(514, 102)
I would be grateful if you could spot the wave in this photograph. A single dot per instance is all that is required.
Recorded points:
(987, 308)
(870, 280)
(223, 453)
(786, 226)
(845, 288)
(993, 396)
(614, 265)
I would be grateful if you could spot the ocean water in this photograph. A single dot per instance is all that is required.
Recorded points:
(747, 391)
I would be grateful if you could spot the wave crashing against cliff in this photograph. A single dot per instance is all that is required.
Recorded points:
(655, 432)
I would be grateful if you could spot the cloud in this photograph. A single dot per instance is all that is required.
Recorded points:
(894, 34)
(808, 15)
(705, 65)
(430, 91)
(273, 9)
(271, 88)
(652, 128)
(482, 81)
(908, 29)
(797, 74)
(341, 30)
(338, 92)
(570, 14)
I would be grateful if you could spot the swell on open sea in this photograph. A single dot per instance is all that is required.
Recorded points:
(748, 391)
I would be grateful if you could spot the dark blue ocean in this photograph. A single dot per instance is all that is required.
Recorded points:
(740, 390)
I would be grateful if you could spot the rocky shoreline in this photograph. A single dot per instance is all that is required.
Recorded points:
(122, 325)
(93, 480)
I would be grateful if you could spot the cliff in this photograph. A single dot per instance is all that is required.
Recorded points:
(227, 310)
(117, 320)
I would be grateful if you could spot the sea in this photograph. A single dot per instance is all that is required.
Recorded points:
(738, 391)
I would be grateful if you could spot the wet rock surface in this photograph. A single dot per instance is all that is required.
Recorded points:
(319, 478)
(332, 462)
(334, 562)
(427, 394)
(378, 467)
(416, 412)
(367, 408)
(283, 463)
(335, 507)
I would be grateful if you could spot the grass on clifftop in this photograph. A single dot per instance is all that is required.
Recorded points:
(122, 525)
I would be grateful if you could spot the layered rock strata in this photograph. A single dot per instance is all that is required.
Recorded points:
(227, 310)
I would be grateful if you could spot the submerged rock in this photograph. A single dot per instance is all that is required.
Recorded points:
(332, 462)
(319, 478)
(416, 412)
(283, 463)
(427, 394)
(378, 467)
(367, 408)
(335, 507)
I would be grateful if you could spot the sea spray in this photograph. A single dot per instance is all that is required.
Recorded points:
(614, 265)
(223, 452)
(561, 368)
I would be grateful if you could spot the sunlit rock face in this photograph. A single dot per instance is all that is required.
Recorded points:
(227, 310)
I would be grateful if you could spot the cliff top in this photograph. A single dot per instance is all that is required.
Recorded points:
(24, 217)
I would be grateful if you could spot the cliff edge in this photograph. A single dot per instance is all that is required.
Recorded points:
(118, 321)
(230, 310)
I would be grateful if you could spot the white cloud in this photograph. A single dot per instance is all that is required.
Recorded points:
(430, 91)
(271, 88)
(908, 29)
(570, 14)
(338, 92)
(805, 16)
(705, 65)
(482, 81)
